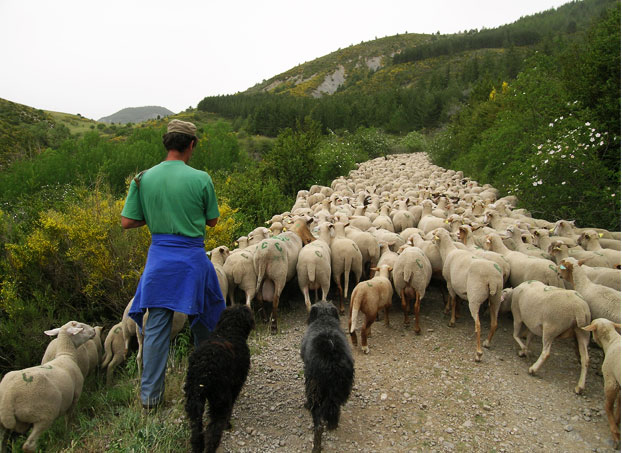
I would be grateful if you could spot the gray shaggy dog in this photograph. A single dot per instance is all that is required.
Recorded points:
(328, 366)
(217, 370)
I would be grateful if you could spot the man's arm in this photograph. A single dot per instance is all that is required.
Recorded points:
(131, 223)
(211, 222)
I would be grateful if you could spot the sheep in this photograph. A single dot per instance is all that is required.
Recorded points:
(516, 234)
(275, 261)
(88, 354)
(472, 279)
(217, 371)
(218, 257)
(428, 220)
(114, 352)
(523, 267)
(328, 368)
(603, 276)
(345, 256)
(240, 273)
(313, 266)
(465, 236)
(560, 251)
(411, 275)
(129, 327)
(549, 312)
(369, 297)
(605, 335)
(604, 302)
(367, 244)
(589, 240)
(38, 395)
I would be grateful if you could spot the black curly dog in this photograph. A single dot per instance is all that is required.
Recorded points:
(329, 368)
(217, 370)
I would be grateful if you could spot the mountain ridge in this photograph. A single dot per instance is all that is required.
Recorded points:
(136, 114)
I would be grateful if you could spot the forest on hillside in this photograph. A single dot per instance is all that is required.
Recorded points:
(541, 122)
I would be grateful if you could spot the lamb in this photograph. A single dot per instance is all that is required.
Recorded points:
(474, 280)
(114, 351)
(275, 261)
(522, 267)
(411, 275)
(345, 256)
(604, 302)
(313, 267)
(328, 368)
(88, 354)
(38, 395)
(218, 257)
(369, 297)
(217, 371)
(550, 312)
(605, 335)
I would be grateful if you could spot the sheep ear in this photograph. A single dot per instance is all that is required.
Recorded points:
(53, 332)
(583, 261)
(74, 330)
(617, 326)
(590, 328)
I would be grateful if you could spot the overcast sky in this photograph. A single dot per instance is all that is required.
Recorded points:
(97, 57)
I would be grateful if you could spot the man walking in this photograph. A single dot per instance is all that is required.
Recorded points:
(176, 202)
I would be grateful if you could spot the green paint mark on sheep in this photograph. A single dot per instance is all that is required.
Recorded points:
(579, 295)
(319, 254)
(549, 288)
(245, 255)
(498, 268)
(264, 245)
(369, 284)
(278, 247)
(419, 263)
(117, 330)
(26, 378)
(552, 268)
(355, 247)
(598, 253)
(47, 367)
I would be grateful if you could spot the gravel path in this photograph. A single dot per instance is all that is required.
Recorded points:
(424, 393)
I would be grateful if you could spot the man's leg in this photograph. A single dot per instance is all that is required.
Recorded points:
(155, 354)
(199, 331)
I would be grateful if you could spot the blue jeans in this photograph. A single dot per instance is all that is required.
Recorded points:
(156, 345)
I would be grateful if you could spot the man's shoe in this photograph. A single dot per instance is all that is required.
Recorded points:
(151, 406)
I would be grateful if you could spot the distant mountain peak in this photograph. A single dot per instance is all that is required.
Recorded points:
(136, 114)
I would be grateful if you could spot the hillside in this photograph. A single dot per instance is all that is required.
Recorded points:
(136, 115)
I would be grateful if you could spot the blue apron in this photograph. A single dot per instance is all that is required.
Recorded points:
(179, 276)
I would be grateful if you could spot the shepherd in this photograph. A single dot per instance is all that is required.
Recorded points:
(176, 202)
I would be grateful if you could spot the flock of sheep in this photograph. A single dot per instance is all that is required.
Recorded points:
(393, 224)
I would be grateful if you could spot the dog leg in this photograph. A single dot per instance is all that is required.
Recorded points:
(195, 405)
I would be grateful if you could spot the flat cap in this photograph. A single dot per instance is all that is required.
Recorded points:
(182, 127)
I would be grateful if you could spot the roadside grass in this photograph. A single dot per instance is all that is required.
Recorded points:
(111, 419)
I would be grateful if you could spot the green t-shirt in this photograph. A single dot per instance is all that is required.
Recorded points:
(173, 198)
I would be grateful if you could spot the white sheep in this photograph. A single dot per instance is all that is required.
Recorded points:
(523, 267)
(345, 257)
(411, 275)
(604, 302)
(606, 337)
(88, 354)
(313, 266)
(241, 274)
(589, 240)
(114, 351)
(473, 279)
(369, 297)
(549, 312)
(275, 261)
(367, 244)
(218, 256)
(38, 395)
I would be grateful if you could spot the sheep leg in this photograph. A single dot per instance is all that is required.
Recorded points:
(405, 307)
(365, 331)
(494, 310)
(341, 309)
(478, 335)
(30, 446)
(583, 339)
(547, 341)
(452, 303)
(518, 325)
(116, 360)
(417, 308)
(274, 328)
(612, 392)
(305, 293)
